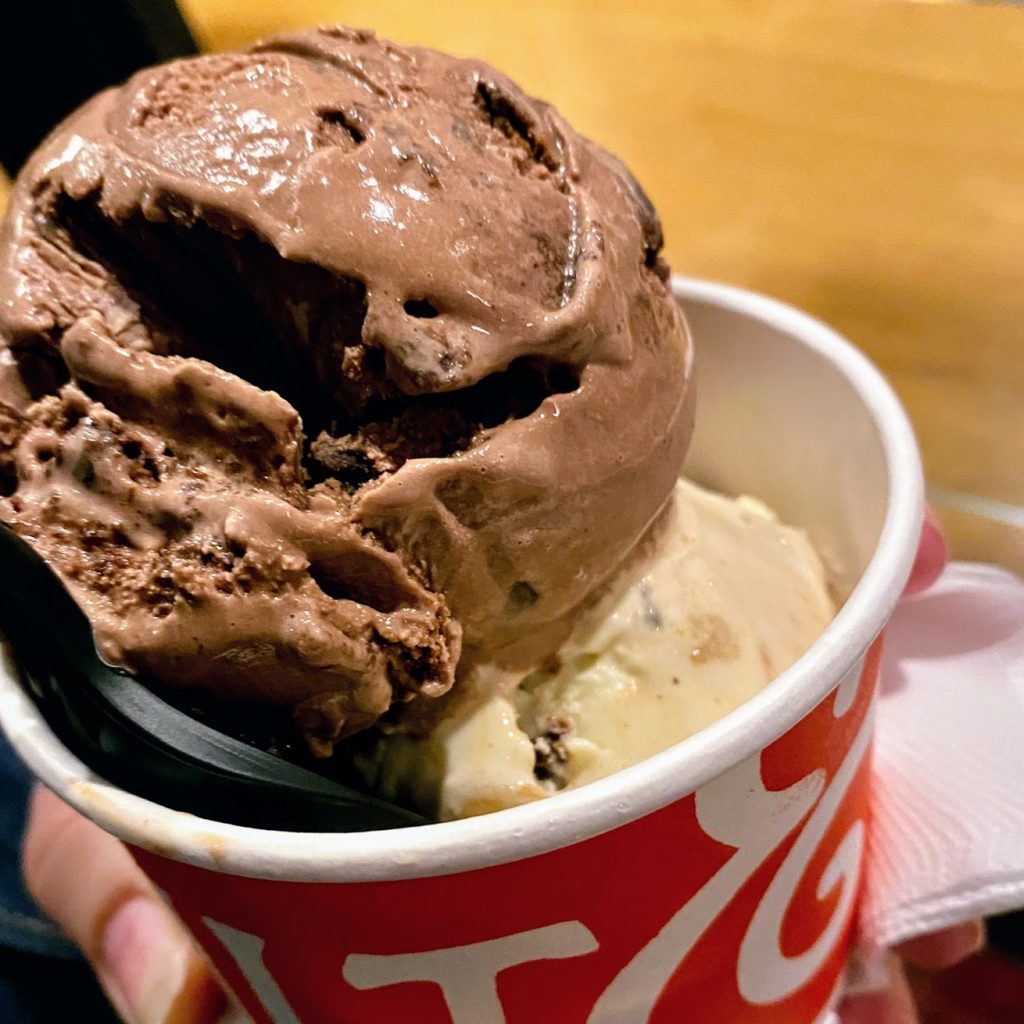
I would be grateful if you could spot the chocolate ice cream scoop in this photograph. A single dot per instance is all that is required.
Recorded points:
(136, 740)
(331, 371)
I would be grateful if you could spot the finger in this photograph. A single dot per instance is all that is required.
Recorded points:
(932, 555)
(89, 884)
(946, 948)
(894, 1005)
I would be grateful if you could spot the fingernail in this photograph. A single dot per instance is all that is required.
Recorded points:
(959, 943)
(144, 962)
(945, 948)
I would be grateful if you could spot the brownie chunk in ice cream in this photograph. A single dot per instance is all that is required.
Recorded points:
(331, 371)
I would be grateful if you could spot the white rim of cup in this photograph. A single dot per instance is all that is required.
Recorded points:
(573, 816)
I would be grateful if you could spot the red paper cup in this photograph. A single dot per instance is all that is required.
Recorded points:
(716, 881)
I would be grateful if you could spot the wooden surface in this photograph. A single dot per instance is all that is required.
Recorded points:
(863, 160)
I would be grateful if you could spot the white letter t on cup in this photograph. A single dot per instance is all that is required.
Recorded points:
(468, 975)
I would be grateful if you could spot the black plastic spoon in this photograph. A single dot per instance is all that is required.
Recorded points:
(131, 737)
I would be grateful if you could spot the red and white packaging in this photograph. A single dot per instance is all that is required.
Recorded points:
(716, 882)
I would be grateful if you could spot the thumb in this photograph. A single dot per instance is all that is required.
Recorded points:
(89, 884)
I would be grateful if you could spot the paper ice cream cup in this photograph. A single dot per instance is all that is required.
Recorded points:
(716, 881)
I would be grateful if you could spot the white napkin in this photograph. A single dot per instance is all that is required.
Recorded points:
(947, 839)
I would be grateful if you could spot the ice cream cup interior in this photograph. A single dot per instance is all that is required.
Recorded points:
(789, 412)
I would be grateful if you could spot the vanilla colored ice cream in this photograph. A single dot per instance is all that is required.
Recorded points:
(726, 598)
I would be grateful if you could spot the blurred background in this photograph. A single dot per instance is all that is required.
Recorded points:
(863, 160)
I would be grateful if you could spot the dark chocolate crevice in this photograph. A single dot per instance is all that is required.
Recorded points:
(41, 370)
(521, 596)
(8, 479)
(650, 225)
(420, 309)
(344, 128)
(230, 299)
(516, 124)
(435, 425)
(362, 578)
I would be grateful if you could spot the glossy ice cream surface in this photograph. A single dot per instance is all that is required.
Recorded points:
(335, 377)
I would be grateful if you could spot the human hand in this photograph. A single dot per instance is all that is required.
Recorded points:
(88, 883)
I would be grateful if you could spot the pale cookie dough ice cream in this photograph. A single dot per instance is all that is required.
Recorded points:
(728, 599)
